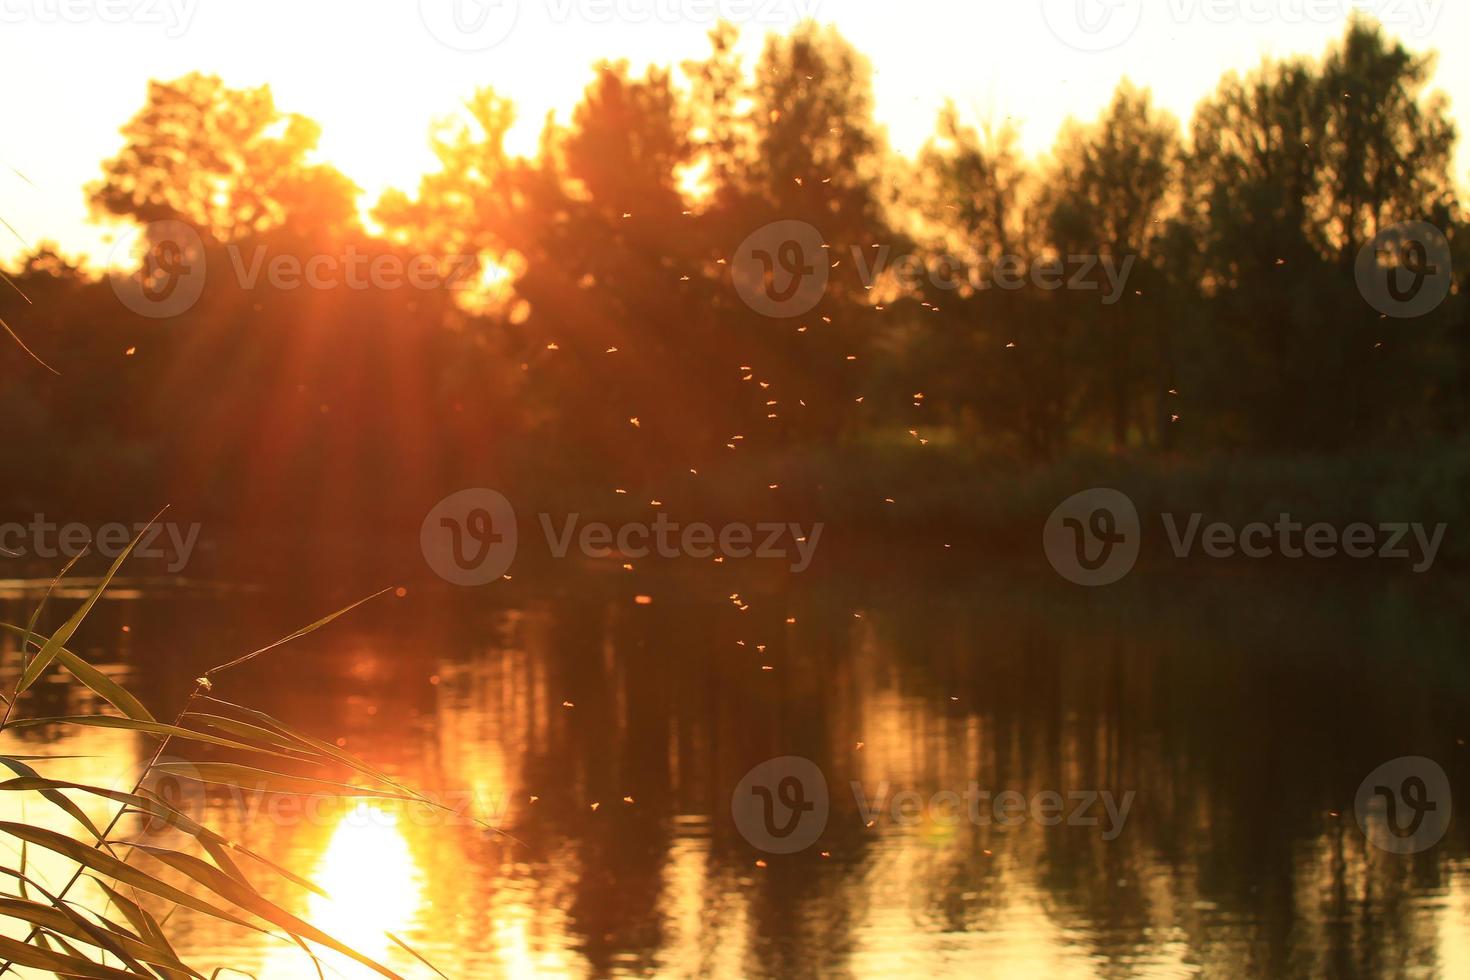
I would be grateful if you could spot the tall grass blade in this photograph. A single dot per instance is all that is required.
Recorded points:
(99, 683)
(265, 781)
(34, 356)
(151, 728)
(54, 796)
(147, 928)
(294, 636)
(62, 920)
(307, 743)
(59, 639)
(59, 963)
(111, 867)
(246, 897)
(25, 645)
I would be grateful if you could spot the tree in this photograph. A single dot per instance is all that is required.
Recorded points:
(1110, 187)
(972, 184)
(1294, 168)
(224, 160)
(817, 157)
(980, 357)
(1388, 147)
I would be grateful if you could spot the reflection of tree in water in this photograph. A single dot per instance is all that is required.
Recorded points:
(1241, 715)
(1242, 718)
(1229, 858)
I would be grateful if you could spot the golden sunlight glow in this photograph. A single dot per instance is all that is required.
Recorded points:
(1000, 62)
(492, 287)
(694, 181)
(516, 947)
(376, 888)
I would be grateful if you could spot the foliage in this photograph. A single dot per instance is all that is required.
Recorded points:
(224, 160)
(126, 935)
(600, 342)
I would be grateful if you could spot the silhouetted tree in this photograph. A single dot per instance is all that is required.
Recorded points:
(224, 160)
(1110, 187)
(1293, 169)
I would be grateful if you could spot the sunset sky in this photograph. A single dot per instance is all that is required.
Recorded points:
(374, 76)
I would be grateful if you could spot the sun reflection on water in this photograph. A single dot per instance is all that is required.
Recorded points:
(666, 887)
(375, 884)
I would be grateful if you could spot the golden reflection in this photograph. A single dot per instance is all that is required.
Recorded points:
(376, 887)
(559, 901)
(1454, 924)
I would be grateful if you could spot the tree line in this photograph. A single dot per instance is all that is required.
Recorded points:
(1148, 287)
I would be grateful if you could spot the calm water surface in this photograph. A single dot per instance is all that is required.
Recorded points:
(607, 738)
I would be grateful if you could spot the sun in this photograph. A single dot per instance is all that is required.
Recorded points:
(376, 887)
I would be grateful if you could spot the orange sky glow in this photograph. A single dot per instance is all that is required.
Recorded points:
(376, 73)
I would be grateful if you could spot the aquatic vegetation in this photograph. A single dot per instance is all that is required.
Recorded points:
(127, 935)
